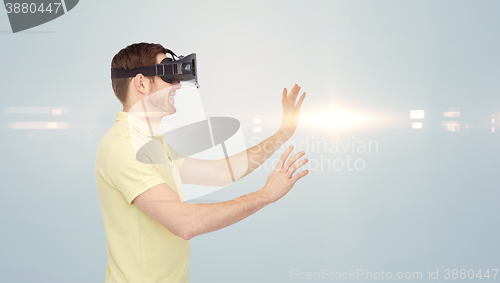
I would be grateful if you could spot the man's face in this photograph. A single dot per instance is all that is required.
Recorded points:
(162, 93)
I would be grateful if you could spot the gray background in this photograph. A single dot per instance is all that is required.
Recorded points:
(427, 199)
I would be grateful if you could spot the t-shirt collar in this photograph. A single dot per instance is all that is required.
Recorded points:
(136, 123)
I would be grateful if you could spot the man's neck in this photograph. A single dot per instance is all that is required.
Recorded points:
(151, 118)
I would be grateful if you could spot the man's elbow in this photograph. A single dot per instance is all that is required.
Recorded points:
(182, 230)
(185, 234)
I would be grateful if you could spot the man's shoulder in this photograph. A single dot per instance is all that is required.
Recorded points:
(116, 139)
(119, 131)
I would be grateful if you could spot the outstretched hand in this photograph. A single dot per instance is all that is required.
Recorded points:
(290, 111)
(282, 179)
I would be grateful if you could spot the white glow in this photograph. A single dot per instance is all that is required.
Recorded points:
(451, 126)
(257, 121)
(39, 125)
(493, 121)
(36, 110)
(492, 129)
(451, 114)
(417, 114)
(416, 125)
(257, 129)
(51, 125)
(338, 119)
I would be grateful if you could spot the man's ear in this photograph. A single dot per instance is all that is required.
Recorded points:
(139, 82)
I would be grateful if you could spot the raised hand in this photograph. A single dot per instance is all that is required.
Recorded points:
(282, 179)
(290, 111)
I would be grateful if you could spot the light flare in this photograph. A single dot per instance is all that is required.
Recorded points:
(339, 119)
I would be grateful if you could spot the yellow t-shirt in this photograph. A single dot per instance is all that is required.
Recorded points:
(132, 158)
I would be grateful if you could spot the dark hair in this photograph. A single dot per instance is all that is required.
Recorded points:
(134, 56)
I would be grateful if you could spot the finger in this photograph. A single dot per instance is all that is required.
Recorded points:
(296, 166)
(293, 93)
(299, 175)
(284, 156)
(293, 159)
(283, 96)
(299, 103)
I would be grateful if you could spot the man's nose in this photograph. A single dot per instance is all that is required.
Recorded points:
(177, 85)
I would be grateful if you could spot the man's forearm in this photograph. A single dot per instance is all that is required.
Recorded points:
(259, 153)
(245, 162)
(201, 218)
(185, 220)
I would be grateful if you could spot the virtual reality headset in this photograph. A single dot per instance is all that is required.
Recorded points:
(171, 70)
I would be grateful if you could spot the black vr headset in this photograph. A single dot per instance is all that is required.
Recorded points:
(170, 70)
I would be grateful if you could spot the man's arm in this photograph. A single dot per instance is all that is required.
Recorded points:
(216, 173)
(189, 220)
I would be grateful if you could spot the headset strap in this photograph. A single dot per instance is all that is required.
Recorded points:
(156, 70)
(124, 73)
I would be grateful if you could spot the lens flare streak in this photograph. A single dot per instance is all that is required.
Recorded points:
(338, 119)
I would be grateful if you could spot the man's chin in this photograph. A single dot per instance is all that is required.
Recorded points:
(171, 110)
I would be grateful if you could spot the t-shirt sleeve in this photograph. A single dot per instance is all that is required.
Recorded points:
(131, 176)
(177, 157)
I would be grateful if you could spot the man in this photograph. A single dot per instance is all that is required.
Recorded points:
(148, 225)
